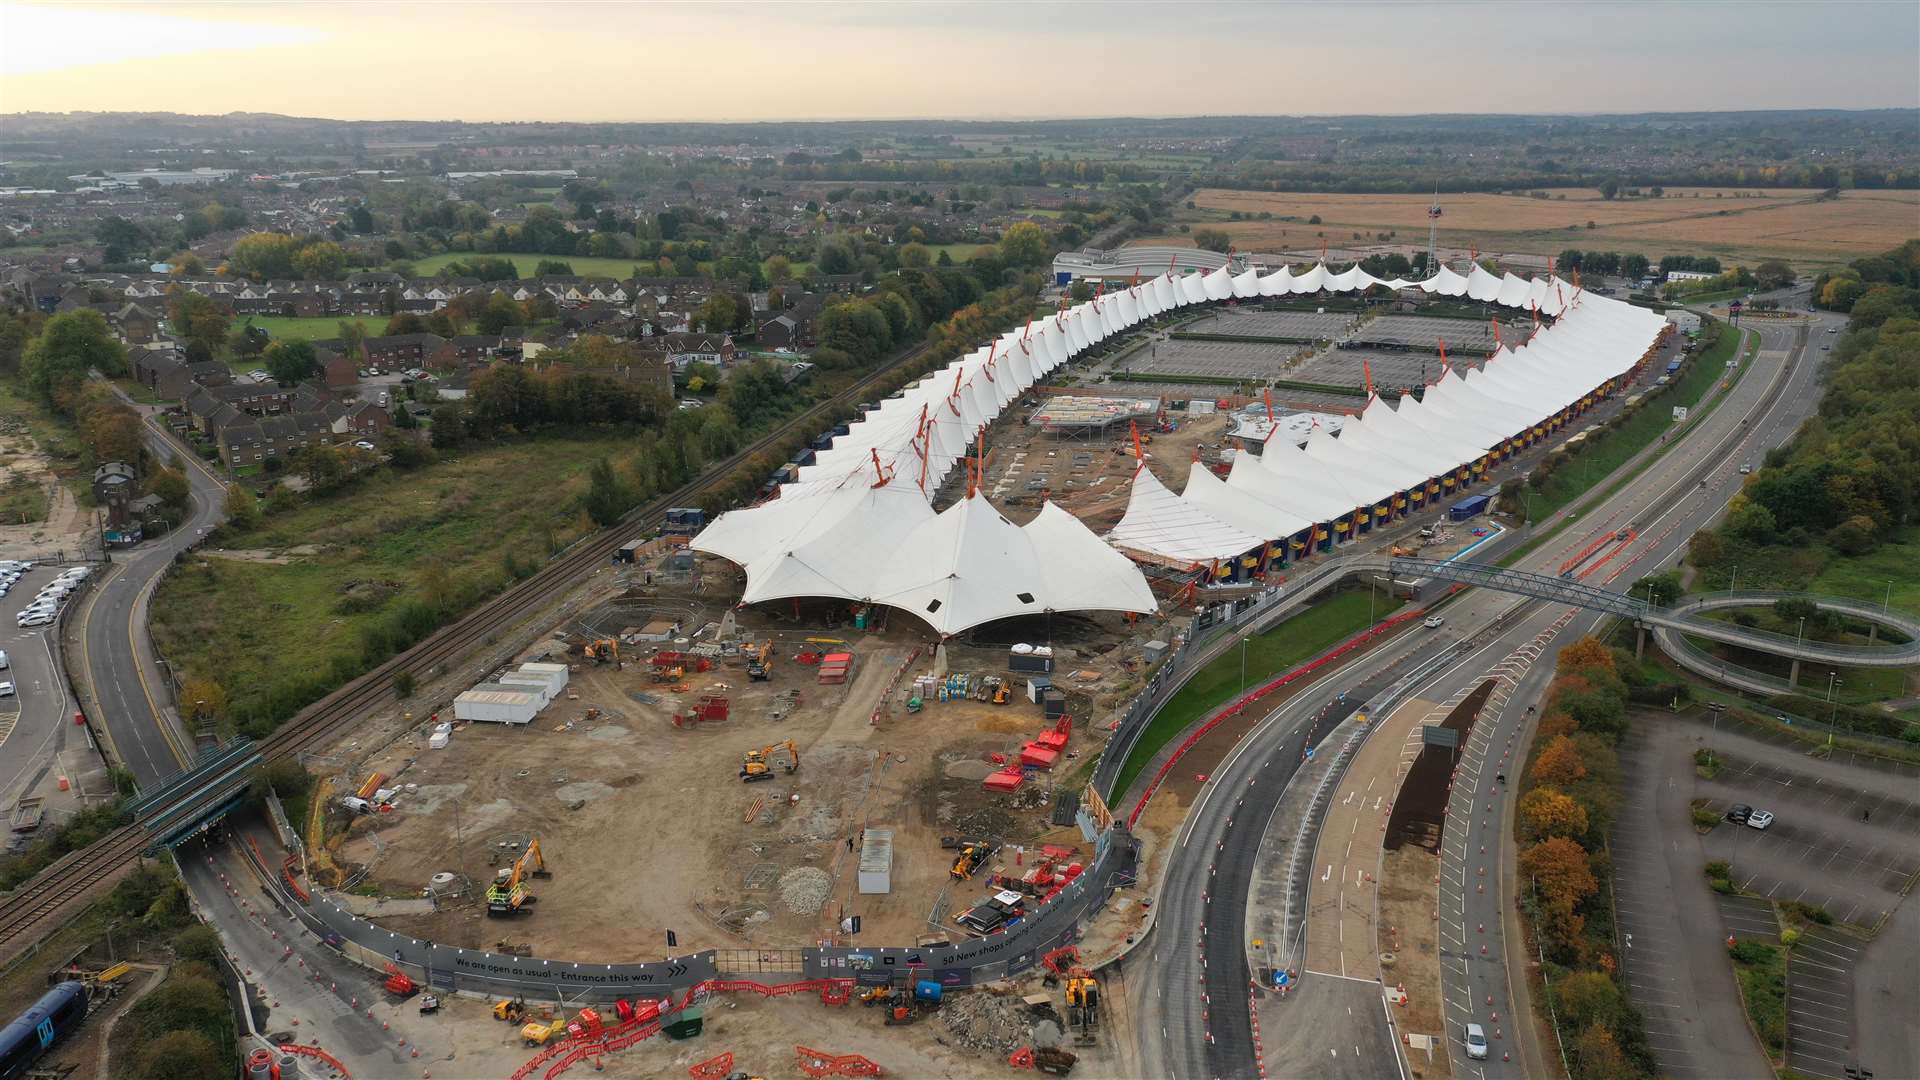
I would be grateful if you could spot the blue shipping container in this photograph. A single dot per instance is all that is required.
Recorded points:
(1469, 507)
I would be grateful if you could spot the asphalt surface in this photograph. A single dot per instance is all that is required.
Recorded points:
(36, 722)
(1665, 505)
(128, 693)
(1202, 901)
(1673, 959)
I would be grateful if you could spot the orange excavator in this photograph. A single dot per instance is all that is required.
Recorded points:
(758, 764)
(508, 893)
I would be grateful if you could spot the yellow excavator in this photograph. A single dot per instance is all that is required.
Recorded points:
(602, 651)
(757, 661)
(758, 764)
(508, 893)
(1083, 1006)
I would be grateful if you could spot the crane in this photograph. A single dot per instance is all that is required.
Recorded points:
(758, 764)
(509, 889)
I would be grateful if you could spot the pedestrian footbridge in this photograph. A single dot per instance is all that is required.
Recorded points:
(1690, 615)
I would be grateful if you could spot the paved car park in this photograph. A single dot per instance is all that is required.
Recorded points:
(1818, 850)
(1253, 361)
(1427, 332)
(1820, 1003)
(1297, 325)
(1673, 960)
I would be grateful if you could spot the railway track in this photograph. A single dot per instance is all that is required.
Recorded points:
(23, 911)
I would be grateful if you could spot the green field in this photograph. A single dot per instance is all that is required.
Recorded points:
(1867, 577)
(957, 252)
(526, 264)
(1306, 635)
(278, 633)
(319, 328)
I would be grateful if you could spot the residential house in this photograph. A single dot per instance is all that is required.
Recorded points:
(358, 420)
(401, 351)
(683, 349)
(338, 371)
(466, 350)
(136, 323)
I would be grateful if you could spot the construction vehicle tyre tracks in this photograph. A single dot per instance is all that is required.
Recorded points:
(316, 725)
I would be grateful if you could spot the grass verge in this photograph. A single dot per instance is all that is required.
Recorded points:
(1311, 632)
(275, 628)
(1761, 971)
(1613, 449)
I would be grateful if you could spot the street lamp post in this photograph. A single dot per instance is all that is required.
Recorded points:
(1243, 662)
(1801, 632)
(1734, 585)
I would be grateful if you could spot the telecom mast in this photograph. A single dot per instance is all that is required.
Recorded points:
(1433, 232)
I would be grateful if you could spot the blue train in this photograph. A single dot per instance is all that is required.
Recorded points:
(33, 1032)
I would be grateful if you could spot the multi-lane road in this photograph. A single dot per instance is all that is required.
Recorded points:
(1195, 987)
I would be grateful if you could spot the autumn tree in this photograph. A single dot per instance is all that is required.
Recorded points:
(203, 699)
(1024, 244)
(265, 255)
(320, 261)
(1559, 763)
(1547, 811)
(1587, 997)
(1596, 1055)
(1588, 652)
(243, 509)
(1559, 869)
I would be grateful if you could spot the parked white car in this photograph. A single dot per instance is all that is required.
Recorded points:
(30, 619)
(6, 689)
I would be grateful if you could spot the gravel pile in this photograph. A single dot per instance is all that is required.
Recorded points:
(978, 1020)
(804, 889)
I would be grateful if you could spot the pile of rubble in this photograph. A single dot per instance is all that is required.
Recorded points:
(978, 1020)
(804, 888)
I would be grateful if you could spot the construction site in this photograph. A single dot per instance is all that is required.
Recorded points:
(753, 778)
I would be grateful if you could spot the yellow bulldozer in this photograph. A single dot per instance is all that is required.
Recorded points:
(513, 1010)
(759, 764)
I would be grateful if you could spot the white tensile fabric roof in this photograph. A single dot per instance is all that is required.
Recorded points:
(856, 522)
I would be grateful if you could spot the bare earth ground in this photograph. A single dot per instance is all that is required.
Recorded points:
(665, 835)
(1409, 904)
(66, 526)
(1755, 223)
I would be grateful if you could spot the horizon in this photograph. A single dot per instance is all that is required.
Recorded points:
(621, 62)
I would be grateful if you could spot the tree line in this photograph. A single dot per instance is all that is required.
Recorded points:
(1849, 479)
(1569, 796)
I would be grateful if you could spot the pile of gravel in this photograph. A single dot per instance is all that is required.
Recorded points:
(804, 889)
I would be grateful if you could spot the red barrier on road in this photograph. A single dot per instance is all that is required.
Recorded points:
(1357, 641)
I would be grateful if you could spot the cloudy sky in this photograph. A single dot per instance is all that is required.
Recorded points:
(391, 59)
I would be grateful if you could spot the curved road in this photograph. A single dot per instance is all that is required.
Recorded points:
(1198, 929)
(126, 692)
